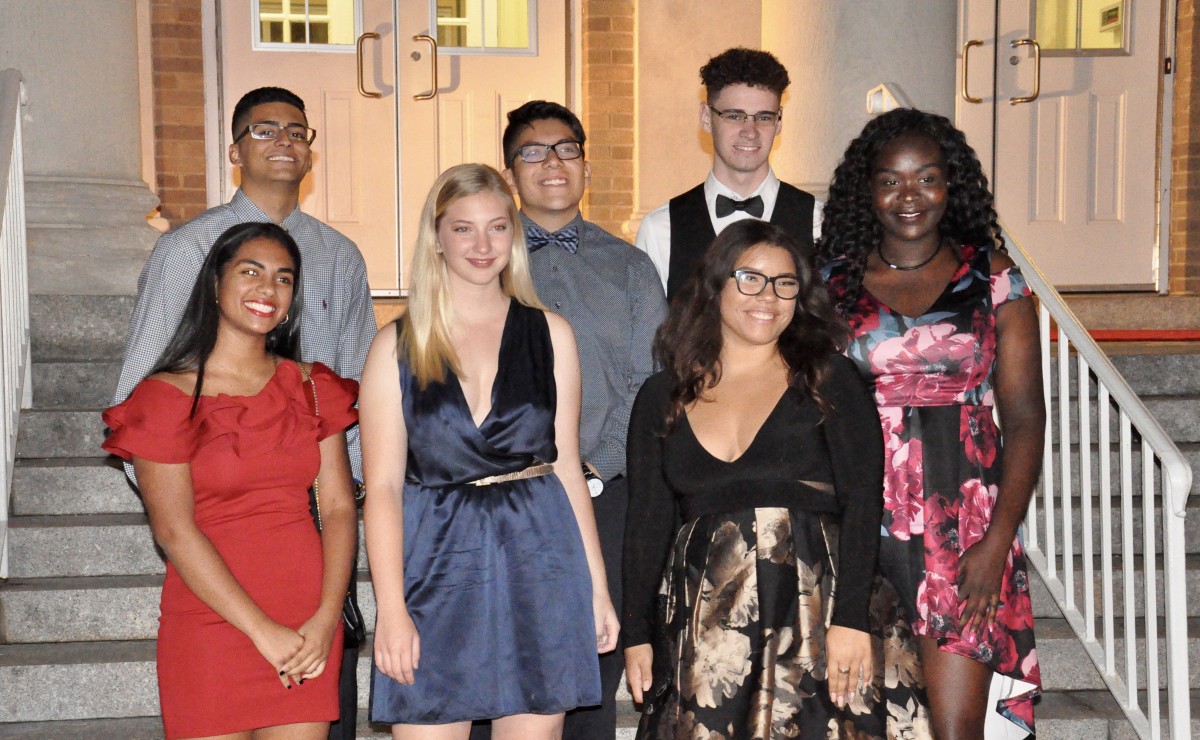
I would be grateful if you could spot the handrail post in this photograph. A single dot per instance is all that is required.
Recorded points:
(15, 370)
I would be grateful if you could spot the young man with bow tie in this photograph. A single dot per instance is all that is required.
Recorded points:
(742, 113)
(610, 294)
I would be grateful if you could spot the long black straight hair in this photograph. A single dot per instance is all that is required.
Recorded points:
(196, 336)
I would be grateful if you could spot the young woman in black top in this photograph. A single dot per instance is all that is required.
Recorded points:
(755, 466)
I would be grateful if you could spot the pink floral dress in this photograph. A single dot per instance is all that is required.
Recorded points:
(932, 380)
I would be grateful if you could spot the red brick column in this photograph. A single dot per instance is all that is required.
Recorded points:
(1184, 245)
(608, 109)
(178, 69)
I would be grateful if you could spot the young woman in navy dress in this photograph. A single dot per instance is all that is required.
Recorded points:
(491, 592)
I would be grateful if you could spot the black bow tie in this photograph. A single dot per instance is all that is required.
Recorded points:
(726, 206)
(567, 238)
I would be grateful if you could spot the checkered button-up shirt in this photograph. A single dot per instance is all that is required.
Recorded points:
(338, 322)
(610, 294)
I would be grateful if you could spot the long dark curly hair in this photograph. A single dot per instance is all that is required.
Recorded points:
(689, 343)
(849, 227)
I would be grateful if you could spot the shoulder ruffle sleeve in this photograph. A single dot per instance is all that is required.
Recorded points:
(337, 397)
(154, 423)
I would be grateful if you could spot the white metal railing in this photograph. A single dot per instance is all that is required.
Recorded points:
(1066, 554)
(16, 389)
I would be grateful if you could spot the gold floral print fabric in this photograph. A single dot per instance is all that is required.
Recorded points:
(740, 654)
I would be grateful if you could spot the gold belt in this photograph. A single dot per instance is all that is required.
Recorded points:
(533, 471)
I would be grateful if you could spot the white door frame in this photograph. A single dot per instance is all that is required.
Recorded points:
(216, 162)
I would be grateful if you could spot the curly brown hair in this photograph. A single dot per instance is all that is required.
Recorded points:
(689, 343)
(742, 66)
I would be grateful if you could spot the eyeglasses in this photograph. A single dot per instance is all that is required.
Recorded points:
(738, 117)
(269, 131)
(564, 150)
(749, 282)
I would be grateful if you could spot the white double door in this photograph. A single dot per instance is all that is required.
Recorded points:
(1070, 140)
(381, 144)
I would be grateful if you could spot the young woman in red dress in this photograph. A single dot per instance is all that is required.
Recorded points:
(225, 443)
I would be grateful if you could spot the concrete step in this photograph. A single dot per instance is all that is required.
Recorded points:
(150, 728)
(72, 485)
(1178, 415)
(81, 681)
(79, 384)
(1191, 524)
(69, 681)
(75, 327)
(1095, 715)
(1147, 374)
(60, 433)
(1045, 606)
(103, 608)
(126, 607)
(1066, 666)
(1190, 451)
(85, 545)
(91, 545)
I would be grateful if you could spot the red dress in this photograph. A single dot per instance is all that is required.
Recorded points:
(252, 461)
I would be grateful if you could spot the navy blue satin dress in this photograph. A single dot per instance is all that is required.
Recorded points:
(495, 576)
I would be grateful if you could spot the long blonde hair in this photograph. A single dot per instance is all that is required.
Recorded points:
(424, 336)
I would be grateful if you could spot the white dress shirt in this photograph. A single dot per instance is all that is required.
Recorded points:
(654, 235)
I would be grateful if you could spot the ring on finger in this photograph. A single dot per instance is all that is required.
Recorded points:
(843, 671)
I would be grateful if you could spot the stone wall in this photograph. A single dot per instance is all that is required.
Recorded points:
(178, 70)
(1184, 245)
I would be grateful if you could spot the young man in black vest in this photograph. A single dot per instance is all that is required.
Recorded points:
(742, 112)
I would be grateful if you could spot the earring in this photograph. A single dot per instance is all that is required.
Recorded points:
(286, 316)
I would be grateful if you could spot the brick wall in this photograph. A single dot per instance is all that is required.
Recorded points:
(1184, 246)
(608, 109)
(178, 69)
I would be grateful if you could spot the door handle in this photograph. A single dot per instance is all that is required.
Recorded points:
(358, 49)
(433, 61)
(966, 52)
(1037, 71)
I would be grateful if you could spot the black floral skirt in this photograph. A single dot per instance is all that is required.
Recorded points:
(740, 649)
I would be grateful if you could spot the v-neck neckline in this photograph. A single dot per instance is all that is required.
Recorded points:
(955, 279)
(462, 395)
(753, 440)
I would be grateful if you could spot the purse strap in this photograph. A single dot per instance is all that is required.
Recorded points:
(316, 412)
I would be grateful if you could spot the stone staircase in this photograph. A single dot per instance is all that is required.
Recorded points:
(79, 614)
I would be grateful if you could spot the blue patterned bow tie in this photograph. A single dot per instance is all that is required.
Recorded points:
(726, 206)
(567, 238)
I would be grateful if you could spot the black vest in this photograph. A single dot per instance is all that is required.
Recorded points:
(692, 229)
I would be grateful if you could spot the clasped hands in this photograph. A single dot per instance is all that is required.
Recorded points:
(296, 654)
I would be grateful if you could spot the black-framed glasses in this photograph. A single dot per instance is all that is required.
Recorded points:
(564, 150)
(738, 117)
(752, 283)
(271, 130)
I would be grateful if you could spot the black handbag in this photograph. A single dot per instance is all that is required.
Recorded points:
(354, 628)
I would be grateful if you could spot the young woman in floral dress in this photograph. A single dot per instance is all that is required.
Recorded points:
(945, 331)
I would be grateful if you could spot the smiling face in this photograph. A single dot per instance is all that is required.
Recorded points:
(475, 236)
(255, 289)
(748, 321)
(264, 162)
(909, 192)
(741, 149)
(550, 190)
